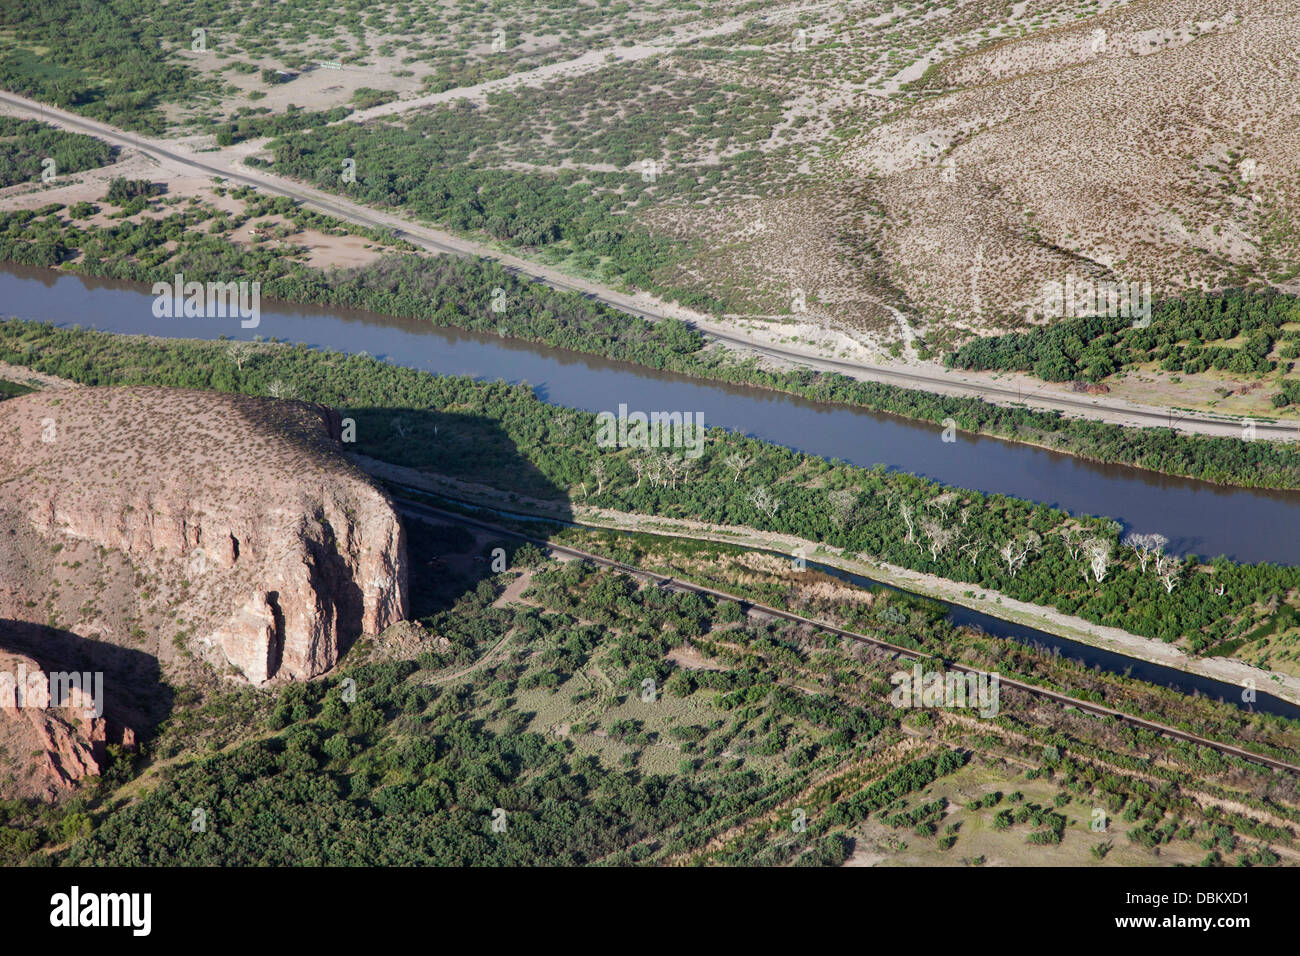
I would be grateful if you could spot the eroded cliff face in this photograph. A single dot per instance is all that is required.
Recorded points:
(242, 512)
(59, 725)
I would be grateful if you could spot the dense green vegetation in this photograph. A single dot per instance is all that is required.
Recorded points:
(107, 60)
(11, 389)
(505, 437)
(1180, 338)
(256, 123)
(463, 293)
(416, 769)
(26, 144)
(406, 169)
(411, 762)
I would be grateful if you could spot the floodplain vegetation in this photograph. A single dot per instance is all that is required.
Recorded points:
(558, 713)
(146, 238)
(502, 436)
(1227, 339)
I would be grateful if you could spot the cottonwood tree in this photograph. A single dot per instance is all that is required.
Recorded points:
(239, 352)
(680, 468)
(672, 469)
(943, 503)
(1098, 551)
(1170, 573)
(654, 470)
(1011, 555)
(1144, 546)
(1074, 540)
(737, 463)
(972, 549)
(905, 510)
(278, 389)
(1137, 543)
(1164, 562)
(1158, 544)
(1016, 551)
(599, 469)
(939, 537)
(562, 422)
(764, 501)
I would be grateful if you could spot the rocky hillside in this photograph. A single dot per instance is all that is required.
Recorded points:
(194, 526)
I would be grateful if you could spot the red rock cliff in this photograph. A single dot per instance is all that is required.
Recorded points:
(244, 507)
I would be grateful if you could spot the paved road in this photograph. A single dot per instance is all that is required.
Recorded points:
(926, 378)
(425, 512)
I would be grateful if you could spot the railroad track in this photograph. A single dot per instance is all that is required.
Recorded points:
(430, 513)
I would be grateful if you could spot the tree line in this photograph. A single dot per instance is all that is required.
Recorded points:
(484, 431)
(463, 293)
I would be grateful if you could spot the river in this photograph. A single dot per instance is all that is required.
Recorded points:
(1246, 525)
(1198, 517)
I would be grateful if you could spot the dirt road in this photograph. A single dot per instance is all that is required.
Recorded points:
(180, 159)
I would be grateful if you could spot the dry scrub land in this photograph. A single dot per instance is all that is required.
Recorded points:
(873, 182)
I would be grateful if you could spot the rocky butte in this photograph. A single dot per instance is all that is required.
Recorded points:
(194, 525)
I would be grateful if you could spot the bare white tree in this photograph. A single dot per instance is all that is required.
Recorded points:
(1016, 551)
(942, 503)
(737, 463)
(905, 509)
(1158, 544)
(1009, 552)
(278, 389)
(1098, 551)
(638, 468)
(599, 469)
(238, 352)
(1144, 546)
(1073, 539)
(764, 501)
(673, 468)
(654, 470)
(1169, 575)
(938, 536)
(687, 466)
(562, 422)
(972, 549)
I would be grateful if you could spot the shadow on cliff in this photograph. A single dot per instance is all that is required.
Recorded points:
(134, 693)
(445, 560)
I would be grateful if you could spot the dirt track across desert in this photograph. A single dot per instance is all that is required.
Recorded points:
(176, 159)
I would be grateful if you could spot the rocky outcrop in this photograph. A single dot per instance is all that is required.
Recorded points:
(244, 508)
(63, 730)
(251, 639)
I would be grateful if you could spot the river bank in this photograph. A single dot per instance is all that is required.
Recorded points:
(985, 601)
